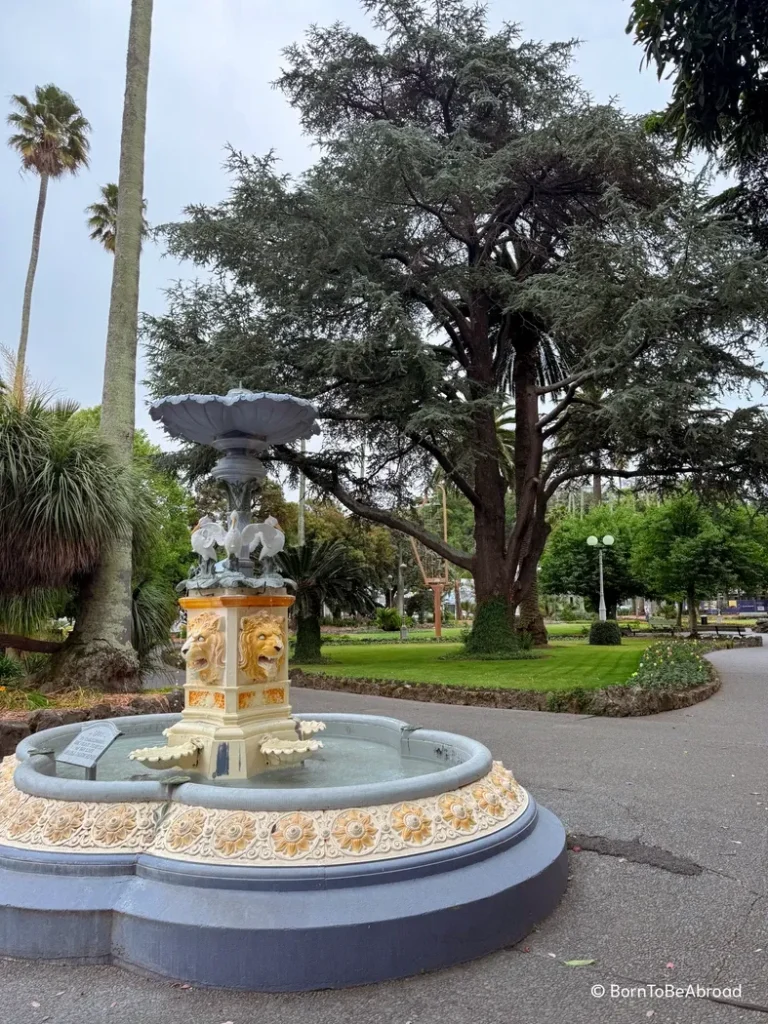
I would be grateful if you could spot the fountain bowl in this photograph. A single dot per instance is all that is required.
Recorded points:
(398, 850)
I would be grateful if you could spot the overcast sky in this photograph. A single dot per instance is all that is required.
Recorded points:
(212, 64)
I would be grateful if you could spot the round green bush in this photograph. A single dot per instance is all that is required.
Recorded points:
(605, 634)
(388, 619)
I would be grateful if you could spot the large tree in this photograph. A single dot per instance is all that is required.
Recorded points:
(684, 549)
(51, 137)
(103, 655)
(476, 231)
(571, 566)
(324, 572)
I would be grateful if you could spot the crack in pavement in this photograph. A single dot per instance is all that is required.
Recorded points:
(636, 852)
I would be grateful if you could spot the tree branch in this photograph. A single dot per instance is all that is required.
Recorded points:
(377, 515)
(445, 463)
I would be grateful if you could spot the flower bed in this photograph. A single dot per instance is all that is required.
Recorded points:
(675, 665)
(16, 725)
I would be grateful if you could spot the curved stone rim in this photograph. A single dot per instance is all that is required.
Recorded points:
(259, 839)
(176, 871)
(287, 936)
(32, 775)
(204, 418)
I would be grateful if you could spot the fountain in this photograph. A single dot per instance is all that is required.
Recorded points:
(230, 845)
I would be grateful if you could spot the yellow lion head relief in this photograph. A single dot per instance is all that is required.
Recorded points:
(262, 645)
(204, 647)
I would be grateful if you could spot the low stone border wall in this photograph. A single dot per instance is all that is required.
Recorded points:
(15, 726)
(613, 701)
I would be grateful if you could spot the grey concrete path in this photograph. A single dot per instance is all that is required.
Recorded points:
(677, 805)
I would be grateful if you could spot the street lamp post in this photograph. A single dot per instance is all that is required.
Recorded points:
(606, 542)
(400, 594)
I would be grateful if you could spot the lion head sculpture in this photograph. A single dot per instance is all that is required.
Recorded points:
(204, 648)
(262, 645)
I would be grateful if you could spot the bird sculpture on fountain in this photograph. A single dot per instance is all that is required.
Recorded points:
(208, 535)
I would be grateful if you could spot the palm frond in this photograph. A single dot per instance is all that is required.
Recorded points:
(62, 497)
(102, 219)
(325, 573)
(51, 135)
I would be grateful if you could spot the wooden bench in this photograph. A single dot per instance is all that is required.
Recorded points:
(718, 629)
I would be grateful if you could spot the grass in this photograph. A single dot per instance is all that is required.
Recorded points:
(554, 629)
(562, 666)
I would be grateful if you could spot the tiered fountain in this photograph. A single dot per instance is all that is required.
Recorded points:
(231, 845)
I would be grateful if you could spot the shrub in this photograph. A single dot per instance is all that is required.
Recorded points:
(388, 619)
(605, 634)
(673, 665)
(10, 669)
(34, 663)
(568, 614)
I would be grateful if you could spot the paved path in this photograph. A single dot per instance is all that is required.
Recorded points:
(678, 805)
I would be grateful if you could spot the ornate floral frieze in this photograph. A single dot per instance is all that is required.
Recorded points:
(261, 838)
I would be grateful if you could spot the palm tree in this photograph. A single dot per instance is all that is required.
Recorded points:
(63, 499)
(105, 623)
(323, 574)
(51, 137)
(102, 217)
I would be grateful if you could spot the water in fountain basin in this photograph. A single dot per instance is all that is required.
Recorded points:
(341, 762)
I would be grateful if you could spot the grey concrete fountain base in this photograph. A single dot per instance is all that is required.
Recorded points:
(277, 889)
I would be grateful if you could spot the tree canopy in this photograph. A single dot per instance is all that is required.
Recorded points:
(475, 232)
(717, 55)
(684, 549)
(570, 566)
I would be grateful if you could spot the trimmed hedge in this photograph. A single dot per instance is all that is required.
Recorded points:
(605, 634)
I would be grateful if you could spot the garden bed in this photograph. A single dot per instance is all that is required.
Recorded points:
(17, 725)
(618, 701)
(670, 675)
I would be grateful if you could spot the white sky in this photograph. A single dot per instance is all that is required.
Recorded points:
(212, 64)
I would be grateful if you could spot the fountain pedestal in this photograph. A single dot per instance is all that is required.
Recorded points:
(237, 718)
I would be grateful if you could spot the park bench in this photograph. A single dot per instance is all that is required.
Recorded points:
(727, 630)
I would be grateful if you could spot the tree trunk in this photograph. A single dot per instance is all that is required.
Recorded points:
(104, 632)
(21, 353)
(679, 614)
(692, 617)
(302, 501)
(531, 619)
(597, 489)
(308, 639)
(493, 629)
(527, 465)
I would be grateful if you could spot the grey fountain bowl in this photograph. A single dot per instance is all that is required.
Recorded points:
(402, 850)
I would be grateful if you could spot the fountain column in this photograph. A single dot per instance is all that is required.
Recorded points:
(237, 718)
(237, 686)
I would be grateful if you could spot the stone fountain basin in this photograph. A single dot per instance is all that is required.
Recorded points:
(276, 887)
(373, 760)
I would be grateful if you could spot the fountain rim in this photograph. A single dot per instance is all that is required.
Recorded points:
(31, 777)
(161, 410)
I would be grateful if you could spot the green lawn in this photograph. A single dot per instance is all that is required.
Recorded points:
(562, 666)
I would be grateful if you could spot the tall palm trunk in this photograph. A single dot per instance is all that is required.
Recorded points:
(531, 620)
(105, 656)
(21, 354)
(526, 413)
